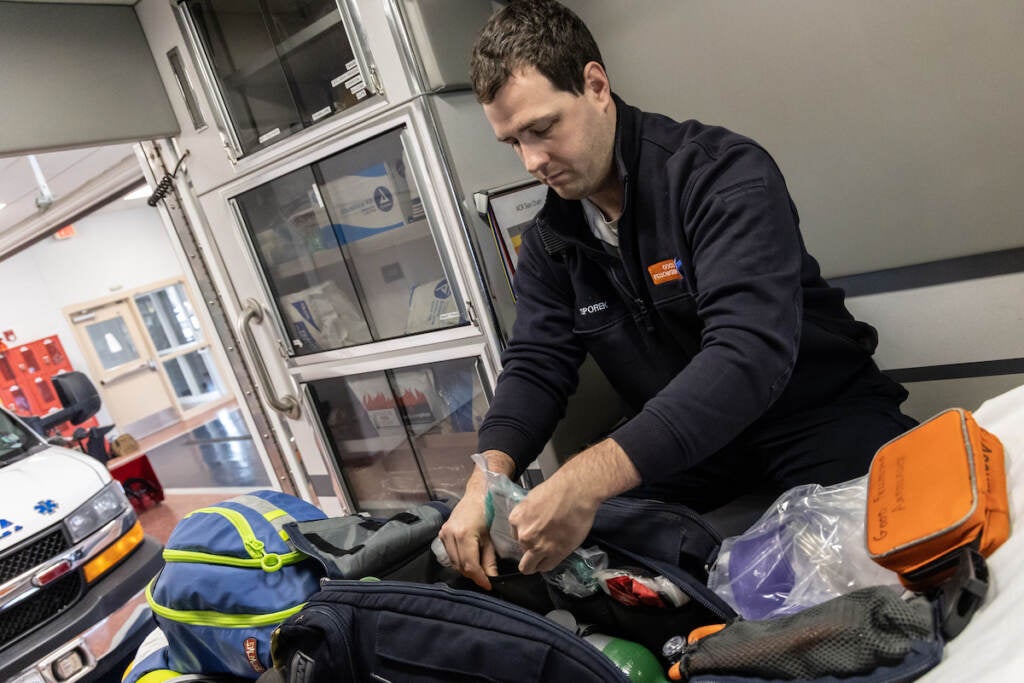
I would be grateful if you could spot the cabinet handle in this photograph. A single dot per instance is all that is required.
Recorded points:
(253, 313)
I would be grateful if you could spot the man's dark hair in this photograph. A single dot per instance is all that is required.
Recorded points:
(538, 33)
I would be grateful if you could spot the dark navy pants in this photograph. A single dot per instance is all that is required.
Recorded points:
(825, 445)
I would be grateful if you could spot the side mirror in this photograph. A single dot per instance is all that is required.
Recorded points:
(78, 395)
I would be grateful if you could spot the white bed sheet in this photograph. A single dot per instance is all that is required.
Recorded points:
(991, 648)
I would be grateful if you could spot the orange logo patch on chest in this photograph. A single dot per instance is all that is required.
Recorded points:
(664, 271)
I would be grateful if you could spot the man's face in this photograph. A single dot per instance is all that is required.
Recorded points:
(564, 140)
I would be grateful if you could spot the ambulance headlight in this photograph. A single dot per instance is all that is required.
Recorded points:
(100, 509)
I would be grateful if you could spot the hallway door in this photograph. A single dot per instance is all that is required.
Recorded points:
(182, 349)
(124, 370)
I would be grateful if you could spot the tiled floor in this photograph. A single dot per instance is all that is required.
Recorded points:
(218, 453)
(159, 521)
(200, 462)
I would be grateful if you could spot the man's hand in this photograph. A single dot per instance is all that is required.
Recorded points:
(556, 516)
(465, 535)
(550, 523)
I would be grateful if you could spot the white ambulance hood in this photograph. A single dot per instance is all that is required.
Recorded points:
(44, 488)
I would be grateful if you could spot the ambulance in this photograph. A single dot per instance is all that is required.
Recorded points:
(74, 563)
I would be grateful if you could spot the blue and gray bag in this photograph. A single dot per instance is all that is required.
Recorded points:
(232, 575)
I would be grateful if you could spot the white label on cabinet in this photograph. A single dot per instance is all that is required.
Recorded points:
(354, 83)
(322, 113)
(351, 64)
(354, 71)
(269, 135)
(360, 94)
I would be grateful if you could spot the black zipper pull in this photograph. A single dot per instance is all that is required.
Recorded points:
(643, 316)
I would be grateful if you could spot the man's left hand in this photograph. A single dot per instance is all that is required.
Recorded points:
(550, 523)
(556, 516)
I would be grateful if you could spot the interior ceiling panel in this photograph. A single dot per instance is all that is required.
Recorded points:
(64, 172)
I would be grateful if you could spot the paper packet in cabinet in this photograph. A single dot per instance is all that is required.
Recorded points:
(323, 318)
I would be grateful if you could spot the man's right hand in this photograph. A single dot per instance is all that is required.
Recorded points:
(465, 534)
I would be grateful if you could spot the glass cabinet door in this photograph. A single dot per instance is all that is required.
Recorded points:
(280, 65)
(348, 252)
(402, 437)
(307, 274)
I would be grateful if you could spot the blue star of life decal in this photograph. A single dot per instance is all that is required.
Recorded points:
(46, 507)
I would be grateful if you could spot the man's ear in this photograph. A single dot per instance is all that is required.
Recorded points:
(595, 82)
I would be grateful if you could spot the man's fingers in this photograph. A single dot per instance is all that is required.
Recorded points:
(489, 560)
(466, 553)
(451, 546)
(477, 575)
(536, 560)
(530, 560)
(470, 566)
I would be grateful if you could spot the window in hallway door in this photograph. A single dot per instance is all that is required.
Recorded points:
(175, 333)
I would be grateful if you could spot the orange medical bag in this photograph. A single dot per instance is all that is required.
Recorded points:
(933, 491)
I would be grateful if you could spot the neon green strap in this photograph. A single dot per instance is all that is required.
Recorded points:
(269, 562)
(158, 676)
(207, 618)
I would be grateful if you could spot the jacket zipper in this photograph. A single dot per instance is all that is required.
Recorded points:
(628, 290)
(640, 312)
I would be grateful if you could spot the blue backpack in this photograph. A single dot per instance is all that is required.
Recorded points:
(232, 576)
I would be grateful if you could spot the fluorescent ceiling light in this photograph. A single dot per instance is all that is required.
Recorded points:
(2, 206)
(141, 193)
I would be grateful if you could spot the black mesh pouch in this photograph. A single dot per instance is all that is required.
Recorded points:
(867, 636)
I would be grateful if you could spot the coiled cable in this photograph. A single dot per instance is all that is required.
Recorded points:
(166, 183)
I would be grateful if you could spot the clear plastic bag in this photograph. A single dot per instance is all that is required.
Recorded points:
(806, 549)
(573, 576)
(502, 495)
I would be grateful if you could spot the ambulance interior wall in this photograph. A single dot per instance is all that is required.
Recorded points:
(897, 127)
(112, 251)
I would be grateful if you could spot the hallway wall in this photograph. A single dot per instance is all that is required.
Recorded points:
(113, 250)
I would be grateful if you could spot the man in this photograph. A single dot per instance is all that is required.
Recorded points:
(670, 252)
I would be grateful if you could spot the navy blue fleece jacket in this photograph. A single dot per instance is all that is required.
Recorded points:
(713, 317)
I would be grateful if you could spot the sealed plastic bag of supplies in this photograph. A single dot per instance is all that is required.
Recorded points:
(806, 549)
(573, 576)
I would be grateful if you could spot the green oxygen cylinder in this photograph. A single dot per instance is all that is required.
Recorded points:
(633, 659)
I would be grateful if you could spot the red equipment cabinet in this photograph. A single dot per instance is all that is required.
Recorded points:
(25, 372)
(8, 375)
(45, 395)
(16, 400)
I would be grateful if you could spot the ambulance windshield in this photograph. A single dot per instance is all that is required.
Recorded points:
(15, 439)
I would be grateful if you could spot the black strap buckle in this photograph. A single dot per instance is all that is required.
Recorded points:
(960, 596)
